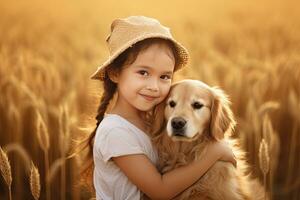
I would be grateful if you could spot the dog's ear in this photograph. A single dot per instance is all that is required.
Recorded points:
(222, 119)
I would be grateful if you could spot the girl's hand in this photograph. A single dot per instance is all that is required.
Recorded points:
(223, 151)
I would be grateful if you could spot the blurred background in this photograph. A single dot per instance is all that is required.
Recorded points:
(48, 50)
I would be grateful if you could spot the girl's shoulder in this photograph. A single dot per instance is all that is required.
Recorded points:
(117, 136)
(114, 125)
(111, 121)
(115, 131)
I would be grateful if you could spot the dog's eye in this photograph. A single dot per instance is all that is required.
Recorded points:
(172, 104)
(197, 105)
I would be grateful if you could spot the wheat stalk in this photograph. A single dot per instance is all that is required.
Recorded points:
(294, 104)
(64, 120)
(35, 186)
(64, 126)
(43, 139)
(64, 141)
(5, 170)
(268, 106)
(54, 169)
(264, 160)
(42, 133)
(15, 147)
(273, 141)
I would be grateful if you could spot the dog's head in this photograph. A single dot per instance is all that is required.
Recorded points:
(192, 109)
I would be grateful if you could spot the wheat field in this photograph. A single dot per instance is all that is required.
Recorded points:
(48, 50)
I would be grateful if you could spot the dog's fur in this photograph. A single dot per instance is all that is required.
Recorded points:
(213, 121)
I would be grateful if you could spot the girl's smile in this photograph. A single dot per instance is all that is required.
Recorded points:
(148, 98)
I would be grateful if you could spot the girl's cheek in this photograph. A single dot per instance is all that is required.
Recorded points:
(164, 93)
(166, 90)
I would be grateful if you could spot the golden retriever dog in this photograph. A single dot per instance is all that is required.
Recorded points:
(193, 115)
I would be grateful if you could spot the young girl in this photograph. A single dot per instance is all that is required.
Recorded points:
(143, 58)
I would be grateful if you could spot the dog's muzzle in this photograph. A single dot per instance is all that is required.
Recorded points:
(178, 126)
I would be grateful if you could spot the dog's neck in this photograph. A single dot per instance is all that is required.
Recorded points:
(180, 152)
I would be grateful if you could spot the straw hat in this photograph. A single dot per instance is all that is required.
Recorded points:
(128, 31)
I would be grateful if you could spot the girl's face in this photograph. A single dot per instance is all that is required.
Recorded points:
(147, 81)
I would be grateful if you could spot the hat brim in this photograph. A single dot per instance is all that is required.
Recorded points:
(182, 52)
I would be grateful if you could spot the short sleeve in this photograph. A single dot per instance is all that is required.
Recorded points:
(118, 141)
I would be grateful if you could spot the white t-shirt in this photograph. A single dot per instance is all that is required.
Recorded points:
(115, 136)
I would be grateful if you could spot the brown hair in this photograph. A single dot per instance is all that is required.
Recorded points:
(109, 89)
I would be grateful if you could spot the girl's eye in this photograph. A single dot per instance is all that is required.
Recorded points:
(197, 105)
(172, 104)
(166, 77)
(143, 72)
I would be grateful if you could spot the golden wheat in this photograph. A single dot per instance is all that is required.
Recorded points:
(272, 138)
(55, 167)
(64, 117)
(15, 147)
(264, 160)
(42, 133)
(5, 167)
(268, 106)
(64, 144)
(294, 105)
(35, 182)
(5, 170)
(43, 139)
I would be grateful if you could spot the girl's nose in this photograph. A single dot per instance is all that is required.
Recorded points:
(153, 85)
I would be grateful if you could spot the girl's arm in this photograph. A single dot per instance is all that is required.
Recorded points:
(141, 172)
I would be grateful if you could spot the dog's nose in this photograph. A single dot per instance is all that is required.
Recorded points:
(178, 123)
